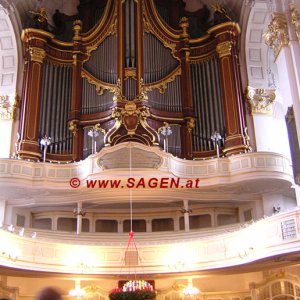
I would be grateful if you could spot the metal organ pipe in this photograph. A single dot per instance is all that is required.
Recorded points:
(55, 106)
(103, 61)
(158, 60)
(208, 104)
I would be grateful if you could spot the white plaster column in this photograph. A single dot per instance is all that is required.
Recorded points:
(2, 211)
(120, 226)
(176, 222)
(186, 215)
(148, 225)
(297, 192)
(288, 83)
(54, 223)
(79, 217)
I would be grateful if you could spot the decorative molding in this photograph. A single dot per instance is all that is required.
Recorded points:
(224, 49)
(37, 54)
(277, 35)
(260, 100)
(295, 14)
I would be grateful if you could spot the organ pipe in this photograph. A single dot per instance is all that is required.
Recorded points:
(92, 102)
(103, 61)
(207, 101)
(158, 60)
(55, 106)
(169, 101)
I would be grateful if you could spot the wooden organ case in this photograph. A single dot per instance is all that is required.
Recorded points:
(126, 77)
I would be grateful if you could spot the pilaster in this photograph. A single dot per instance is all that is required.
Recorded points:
(226, 35)
(35, 41)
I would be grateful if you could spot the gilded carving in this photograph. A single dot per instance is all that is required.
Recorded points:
(184, 25)
(162, 85)
(190, 124)
(130, 116)
(260, 100)
(118, 97)
(37, 54)
(142, 91)
(6, 109)
(295, 14)
(98, 128)
(99, 85)
(277, 35)
(73, 127)
(224, 49)
(130, 72)
(77, 26)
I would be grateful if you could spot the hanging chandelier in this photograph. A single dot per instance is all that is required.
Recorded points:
(135, 289)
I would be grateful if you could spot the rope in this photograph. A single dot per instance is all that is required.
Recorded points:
(130, 190)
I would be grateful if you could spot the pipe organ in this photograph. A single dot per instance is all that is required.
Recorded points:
(124, 76)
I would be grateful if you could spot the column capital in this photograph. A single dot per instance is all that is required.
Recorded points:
(37, 54)
(260, 100)
(224, 49)
(295, 15)
(277, 35)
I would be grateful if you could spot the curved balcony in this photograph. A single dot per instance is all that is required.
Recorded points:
(234, 177)
(269, 241)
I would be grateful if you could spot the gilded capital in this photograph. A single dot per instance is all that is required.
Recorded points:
(37, 54)
(277, 35)
(260, 100)
(6, 109)
(295, 14)
(224, 49)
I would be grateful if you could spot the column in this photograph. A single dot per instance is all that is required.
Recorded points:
(253, 290)
(226, 35)
(75, 113)
(267, 127)
(120, 226)
(277, 38)
(79, 214)
(186, 93)
(186, 215)
(2, 211)
(35, 41)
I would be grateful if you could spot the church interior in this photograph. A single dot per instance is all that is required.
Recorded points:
(150, 149)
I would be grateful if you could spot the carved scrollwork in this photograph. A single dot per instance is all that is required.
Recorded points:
(190, 124)
(163, 84)
(260, 100)
(277, 35)
(73, 127)
(99, 85)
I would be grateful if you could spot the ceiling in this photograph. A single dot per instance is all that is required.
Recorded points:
(69, 6)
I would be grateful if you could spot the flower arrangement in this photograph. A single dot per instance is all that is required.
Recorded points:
(133, 290)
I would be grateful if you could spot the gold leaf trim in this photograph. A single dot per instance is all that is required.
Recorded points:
(99, 85)
(162, 84)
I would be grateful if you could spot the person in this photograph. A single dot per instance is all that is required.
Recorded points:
(49, 293)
